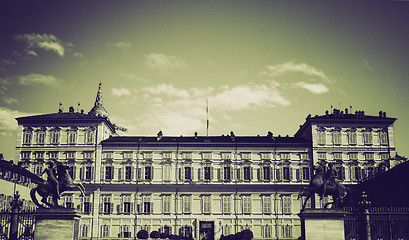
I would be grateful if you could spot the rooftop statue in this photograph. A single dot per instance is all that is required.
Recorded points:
(58, 181)
(324, 184)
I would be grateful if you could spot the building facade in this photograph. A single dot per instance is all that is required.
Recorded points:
(198, 186)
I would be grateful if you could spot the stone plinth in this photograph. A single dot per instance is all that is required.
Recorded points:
(322, 224)
(57, 223)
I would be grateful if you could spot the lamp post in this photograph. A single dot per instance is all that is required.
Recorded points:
(16, 204)
(366, 227)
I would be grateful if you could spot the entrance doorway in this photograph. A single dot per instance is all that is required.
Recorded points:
(206, 230)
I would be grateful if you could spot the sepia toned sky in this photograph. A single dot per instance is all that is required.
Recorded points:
(262, 65)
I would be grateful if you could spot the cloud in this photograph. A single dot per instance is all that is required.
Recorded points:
(290, 67)
(40, 79)
(120, 92)
(316, 88)
(123, 46)
(8, 122)
(164, 64)
(178, 111)
(44, 41)
(10, 100)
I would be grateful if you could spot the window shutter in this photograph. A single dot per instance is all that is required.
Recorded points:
(82, 205)
(271, 173)
(182, 173)
(211, 173)
(343, 172)
(363, 175)
(102, 172)
(112, 172)
(131, 207)
(278, 176)
(199, 174)
(151, 207)
(90, 208)
(152, 172)
(220, 173)
(142, 171)
(119, 208)
(132, 173)
(298, 174)
(259, 174)
(290, 169)
(138, 174)
(82, 169)
(238, 174)
(119, 174)
(251, 173)
(358, 173)
(74, 172)
(231, 173)
(101, 207)
(192, 173)
(92, 172)
(112, 207)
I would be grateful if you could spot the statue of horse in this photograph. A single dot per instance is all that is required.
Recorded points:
(323, 187)
(46, 189)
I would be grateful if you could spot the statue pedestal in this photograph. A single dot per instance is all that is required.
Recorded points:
(56, 223)
(322, 224)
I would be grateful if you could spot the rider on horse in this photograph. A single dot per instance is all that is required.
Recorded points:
(51, 178)
(329, 179)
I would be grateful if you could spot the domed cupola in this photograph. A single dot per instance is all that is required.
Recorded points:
(98, 109)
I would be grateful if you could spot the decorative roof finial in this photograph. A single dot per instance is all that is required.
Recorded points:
(98, 109)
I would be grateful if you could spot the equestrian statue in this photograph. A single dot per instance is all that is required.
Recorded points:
(324, 184)
(58, 181)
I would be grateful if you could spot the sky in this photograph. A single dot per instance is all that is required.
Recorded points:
(259, 66)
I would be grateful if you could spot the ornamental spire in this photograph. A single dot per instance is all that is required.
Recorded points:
(98, 109)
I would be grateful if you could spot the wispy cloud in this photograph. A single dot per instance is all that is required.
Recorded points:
(10, 101)
(47, 42)
(8, 122)
(164, 64)
(123, 46)
(315, 88)
(120, 92)
(177, 110)
(39, 79)
(290, 67)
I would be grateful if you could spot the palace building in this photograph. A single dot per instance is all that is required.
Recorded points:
(199, 186)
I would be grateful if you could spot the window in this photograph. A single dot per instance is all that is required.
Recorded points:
(25, 155)
(86, 172)
(186, 231)
(53, 155)
(304, 156)
(287, 231)
(187, 155)
(72, 137)
(286, 173)
(165, 229)
(84, 230)
(321, 137)
(226, 173)
(109, 173)
(355, 173)
(88, 155)
(39, 155)
(104, 231)
(353, 156)
(128, 170)
(305, 173)
(68, 201)
(265, 173)
(147, 204)
(207, 173)
(369, 171)
(287, 204)
(369, 156)
(148, 172)
(247, 173)
(384, 156)
(126, 204)
(107, 155)
(340, 172)
(226, 204)
(336, 137)
(86, 204)
(322, 156)
(246, 204)
(266, 204)
(167, 155)
(166, 199)
(265, 156)
(187, 203)
(89, 137)
(106, 206)
(40, 137)
(367, 137)
(225, 156)
(337, 156)
(128, 155)
(147, 155)
(27, 135)
(227, 230)
(352, 137)
(383, 136)
(206, 207)
(246, 156)
(71, 171)
(267, 231)
(125, 231)
(166, 168)
(70, 155)
(54, 137)
(206, 156)
(284, 156)
(186, 173)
